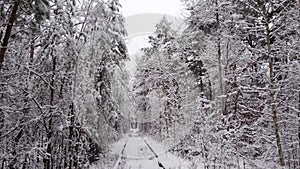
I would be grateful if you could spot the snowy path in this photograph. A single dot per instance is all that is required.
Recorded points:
(138, 155)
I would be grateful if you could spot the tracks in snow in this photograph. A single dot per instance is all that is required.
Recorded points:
(122, 157)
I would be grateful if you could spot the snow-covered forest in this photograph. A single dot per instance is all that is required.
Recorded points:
(224, 93)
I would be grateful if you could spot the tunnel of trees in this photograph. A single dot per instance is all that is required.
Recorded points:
(232, 74)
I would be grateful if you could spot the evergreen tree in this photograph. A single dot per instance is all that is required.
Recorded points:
(53, 54)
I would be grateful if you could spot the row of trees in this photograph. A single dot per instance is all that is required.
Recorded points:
(59, 61)
(159, 87)
(235, 70)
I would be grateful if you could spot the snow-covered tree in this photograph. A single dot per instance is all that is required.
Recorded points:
(248, 37)
(49, 81)
(161, 85)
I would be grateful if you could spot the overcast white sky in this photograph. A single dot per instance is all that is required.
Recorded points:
(137, 14)
(132, 7)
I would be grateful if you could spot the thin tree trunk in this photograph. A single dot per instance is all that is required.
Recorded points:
(4, 44)
(48, 162)
(3, 163)
(210, 90)
(71, 134)
(219, 56)
(8, 30)
(299, 99)
(272, 85)
(31, 51)
(299, 119)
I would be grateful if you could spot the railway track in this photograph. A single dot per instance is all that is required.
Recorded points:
(122, 158)
(155, 154)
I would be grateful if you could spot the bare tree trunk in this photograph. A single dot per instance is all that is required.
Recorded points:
(31, 51)
(272, 84)
(299, 119)
(210, 90)
(219, 55)
(4, 44)
(71, 135)
(299, 99)
(8, 30)
(48, 162)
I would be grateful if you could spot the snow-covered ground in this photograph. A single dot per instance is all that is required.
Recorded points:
(139, 156)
